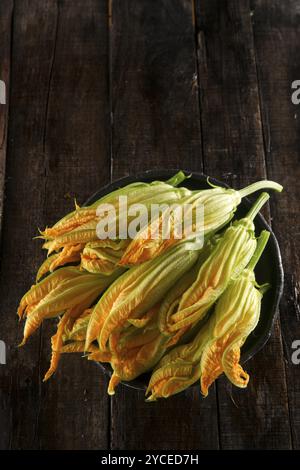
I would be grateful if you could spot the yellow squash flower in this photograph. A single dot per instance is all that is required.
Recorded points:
(219, 205)
(216, 348)
(71, 327)
(228, 259)
(76, 331)
(87, 219)
(133, 349)
(132, 362)
(137, 291)
(235, 317)
(172, 300)
(69, 254)
(67, 289)
(102, 256)
(178, 369)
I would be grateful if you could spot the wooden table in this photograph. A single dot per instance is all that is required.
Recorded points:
(101, 89)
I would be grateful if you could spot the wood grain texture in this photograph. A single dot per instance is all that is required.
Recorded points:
(277, 43)
(58, 148)
(154, 86)
(100, 89)
(233, 151)
(156, 124)
(6, 8)
(77, 163)
(23, 208)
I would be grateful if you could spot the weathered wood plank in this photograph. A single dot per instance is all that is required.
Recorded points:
(156, 125)
(77, 163)
(6, 8)
(154, 86)
(277, 41)
(58, 148)
(23, 209)
(233, 151)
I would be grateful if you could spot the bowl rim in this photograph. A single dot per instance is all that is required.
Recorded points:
(161, 175)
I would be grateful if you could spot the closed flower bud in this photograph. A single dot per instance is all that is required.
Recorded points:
(227, 260)
(137, 291)
(216, 348)
(102, 256)
(67, 289)
(219, 205)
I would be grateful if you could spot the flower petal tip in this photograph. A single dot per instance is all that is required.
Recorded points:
(150, 399)
(47, 376)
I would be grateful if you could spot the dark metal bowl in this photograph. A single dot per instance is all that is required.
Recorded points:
(269, 268)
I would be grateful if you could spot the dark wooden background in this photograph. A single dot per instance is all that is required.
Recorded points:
(101, 89)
